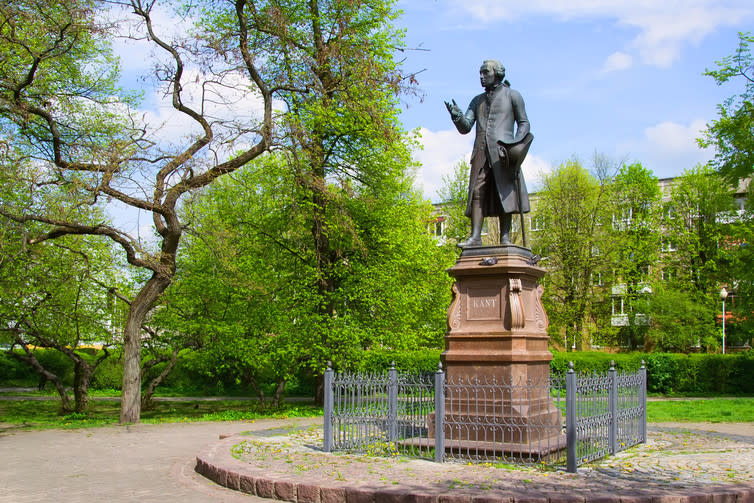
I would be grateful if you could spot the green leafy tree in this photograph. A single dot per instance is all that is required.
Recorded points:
(732, 134)
(575, 206)
(636, 241)
(702, 225)
(453, 194)
(679, 320)
(740, 275)
(697, 222)
(60, 107)
(341, 137)
(247, 283)
(57, 296)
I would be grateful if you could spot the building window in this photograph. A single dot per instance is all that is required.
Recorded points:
(622, 220)
(669, 273)
(437, 228)
(668, 245)
(537, 223)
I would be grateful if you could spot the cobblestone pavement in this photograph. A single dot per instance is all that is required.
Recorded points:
(689, 454)
(677, 463)
(154, 463)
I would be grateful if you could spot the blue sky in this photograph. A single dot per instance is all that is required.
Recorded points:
(621, 77)
(618, 77)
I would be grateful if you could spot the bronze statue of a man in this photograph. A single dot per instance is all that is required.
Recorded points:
(496, 187)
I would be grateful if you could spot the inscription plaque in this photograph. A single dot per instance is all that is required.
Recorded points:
(483, 305)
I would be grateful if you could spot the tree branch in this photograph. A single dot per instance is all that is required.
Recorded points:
(62, 228)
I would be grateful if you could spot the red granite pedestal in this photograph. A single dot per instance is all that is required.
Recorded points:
(497, 333)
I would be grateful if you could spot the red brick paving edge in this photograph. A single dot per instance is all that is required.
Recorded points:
(218, 465)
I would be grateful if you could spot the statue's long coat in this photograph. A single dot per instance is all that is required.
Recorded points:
(495, 112)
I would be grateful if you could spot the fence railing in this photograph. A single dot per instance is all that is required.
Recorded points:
(605, 414)
(571, 420)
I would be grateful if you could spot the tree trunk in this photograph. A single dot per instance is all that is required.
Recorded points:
(146, 398)
(255, 386)
(65, 402)
(319, 389)
(278, 393)
(579, 336)
(130, 405)
(82, 376)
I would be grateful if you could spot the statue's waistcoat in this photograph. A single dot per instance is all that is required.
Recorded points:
(494, 121)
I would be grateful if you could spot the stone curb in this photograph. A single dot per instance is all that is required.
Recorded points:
(217, 464)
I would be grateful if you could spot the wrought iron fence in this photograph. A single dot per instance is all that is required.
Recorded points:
(605, 414)
(575, 419)
(501, 420)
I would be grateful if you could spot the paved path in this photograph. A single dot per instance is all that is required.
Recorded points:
(145, 463)
(155, 462)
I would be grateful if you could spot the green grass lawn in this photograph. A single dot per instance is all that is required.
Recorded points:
(46, 414)
(713, 410)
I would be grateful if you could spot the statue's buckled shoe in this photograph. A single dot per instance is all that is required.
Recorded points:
(470, 242)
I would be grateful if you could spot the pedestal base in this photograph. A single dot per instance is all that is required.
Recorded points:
(496, 358)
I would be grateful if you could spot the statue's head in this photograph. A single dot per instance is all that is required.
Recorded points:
(491, 73)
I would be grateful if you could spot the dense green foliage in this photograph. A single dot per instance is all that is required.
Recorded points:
(573, 208)
(731, 134)
(320, 85)
(627, 269)
(246, 289)
(667, 373)
(672, 373)
(320, 249)
(634, 247)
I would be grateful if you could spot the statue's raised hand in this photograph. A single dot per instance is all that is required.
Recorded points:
(453, 108)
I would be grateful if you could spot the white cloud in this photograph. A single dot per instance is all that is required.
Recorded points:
(533, 168)
(230, 100)
(669, 148)
(136, 53)
(672, 138)
(442, 151)
(618, 61)
(664, 28)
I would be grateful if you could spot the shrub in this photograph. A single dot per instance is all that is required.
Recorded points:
(672, 373)
(411, 362)
(19, 373)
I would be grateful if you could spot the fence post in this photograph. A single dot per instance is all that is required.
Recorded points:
(612, 398)
(392, 404)
(439, 414)
(328, 406)
(643, 374)
(571, 439)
